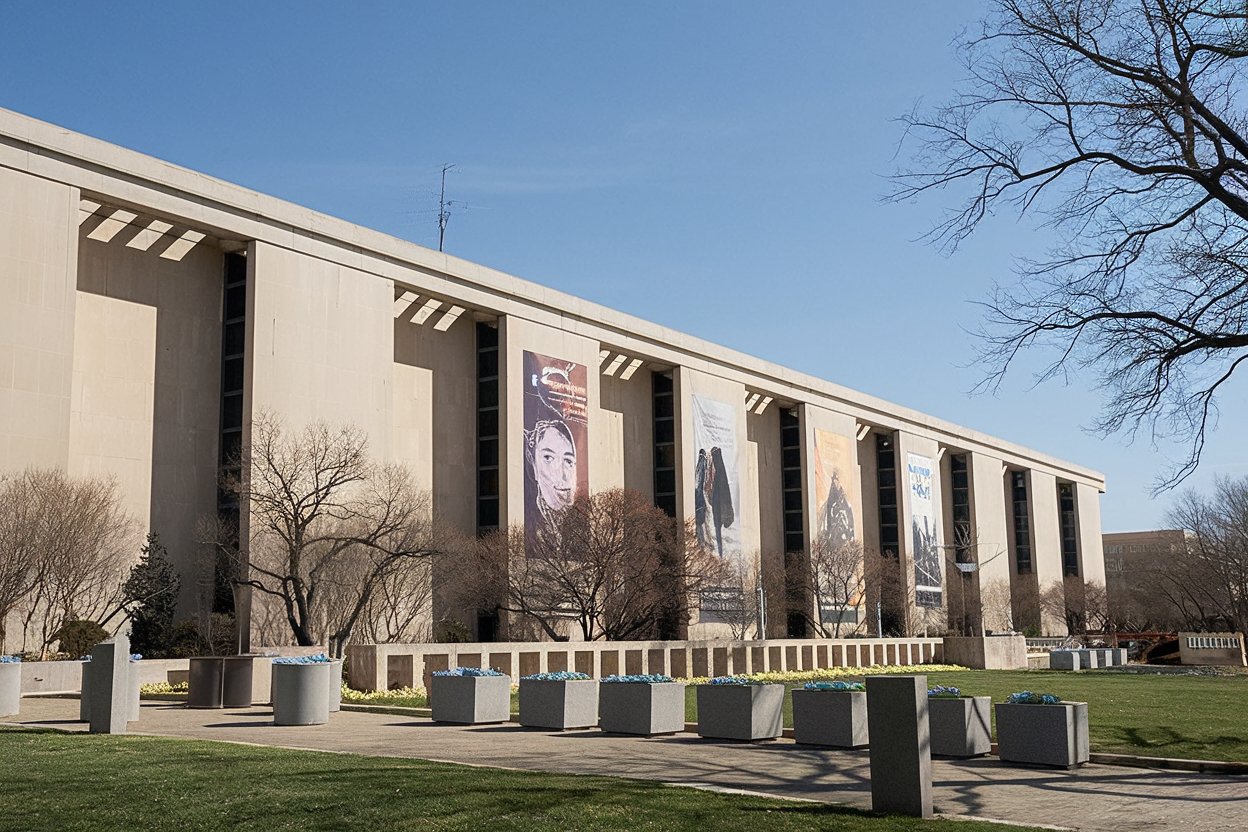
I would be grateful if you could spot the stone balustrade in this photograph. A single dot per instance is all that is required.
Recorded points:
(390, 666)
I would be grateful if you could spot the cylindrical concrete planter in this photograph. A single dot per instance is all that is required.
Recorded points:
(741, 712)
(236, 681)
(560, 705)
(204, 682)
(960, 727)
(299, 693)
(470, 700)
(10, 688)
(84, 695)
(1043, 735)
(335, 685)
(642, 708)
(836, 718)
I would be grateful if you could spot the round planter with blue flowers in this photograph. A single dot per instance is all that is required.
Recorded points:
(301, 690)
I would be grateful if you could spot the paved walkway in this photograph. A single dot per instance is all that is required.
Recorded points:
(1106, 798)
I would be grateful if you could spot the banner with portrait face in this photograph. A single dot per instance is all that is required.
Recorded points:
(924, 532)
(717, 478)
(555, 441)
(836, 511)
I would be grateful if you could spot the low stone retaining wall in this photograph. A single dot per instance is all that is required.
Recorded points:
(390, 666)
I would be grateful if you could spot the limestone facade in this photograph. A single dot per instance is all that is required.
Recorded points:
(112, 282)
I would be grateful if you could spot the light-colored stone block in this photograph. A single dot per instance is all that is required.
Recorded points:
(559, 705)
(901, 759)
(643, 708)
(470, 700)
(740, 712)
(110, 686)
(1046, 735)
(836, 718)
(960, 727)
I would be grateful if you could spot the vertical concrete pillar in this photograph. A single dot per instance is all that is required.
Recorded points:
(901, 754)
(1091, 549)
(1046, 551)
(110, 686)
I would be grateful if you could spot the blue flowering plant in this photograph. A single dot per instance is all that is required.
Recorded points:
(835, 686)
(1026, 697)
(735, 680)
(316, 658)
(136, 657)
(468, 671)
(944, 692)
(10, 659)
(638, 679)
(557, 676)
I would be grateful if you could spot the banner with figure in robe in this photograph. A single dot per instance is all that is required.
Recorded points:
(924, 532)
(835, 522)
(716, 478)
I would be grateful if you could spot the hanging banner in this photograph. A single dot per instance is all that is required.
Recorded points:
(716, 478)
(924, 532)
(556, 436)
(835, 515)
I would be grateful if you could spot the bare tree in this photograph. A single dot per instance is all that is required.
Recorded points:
(1123, 125)
(65, 544)
(1209, 583)
(833, 579)
(617, 567)
(319, 508)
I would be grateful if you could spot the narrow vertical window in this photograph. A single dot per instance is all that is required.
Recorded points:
(663, 399)
(886, 488)
(1022, 521)
(1070, 534)
(488, 486)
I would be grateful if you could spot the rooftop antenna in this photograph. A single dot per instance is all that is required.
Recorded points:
(444, 208)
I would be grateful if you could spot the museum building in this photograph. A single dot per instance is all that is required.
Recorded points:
(148, 313)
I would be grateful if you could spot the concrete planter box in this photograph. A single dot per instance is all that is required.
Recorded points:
(1043, 735)
(470, 700)
(10, 688)
(299, 694)
(1089, 659)
(960, 727)
(559, 705)
(1064, 660)
(740, 712)
(644, 708)
(837, 718)
(1120, 655)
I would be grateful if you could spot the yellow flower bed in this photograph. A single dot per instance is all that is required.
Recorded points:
(163, 687)
(378, 697)
(831, 673)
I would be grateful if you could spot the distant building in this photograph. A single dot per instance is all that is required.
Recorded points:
(149, 312)
(1129, 557)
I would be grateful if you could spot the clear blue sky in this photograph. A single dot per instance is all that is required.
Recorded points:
(714, 167)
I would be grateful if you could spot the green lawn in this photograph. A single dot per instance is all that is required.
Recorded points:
(1194, 717)
(80, 783)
